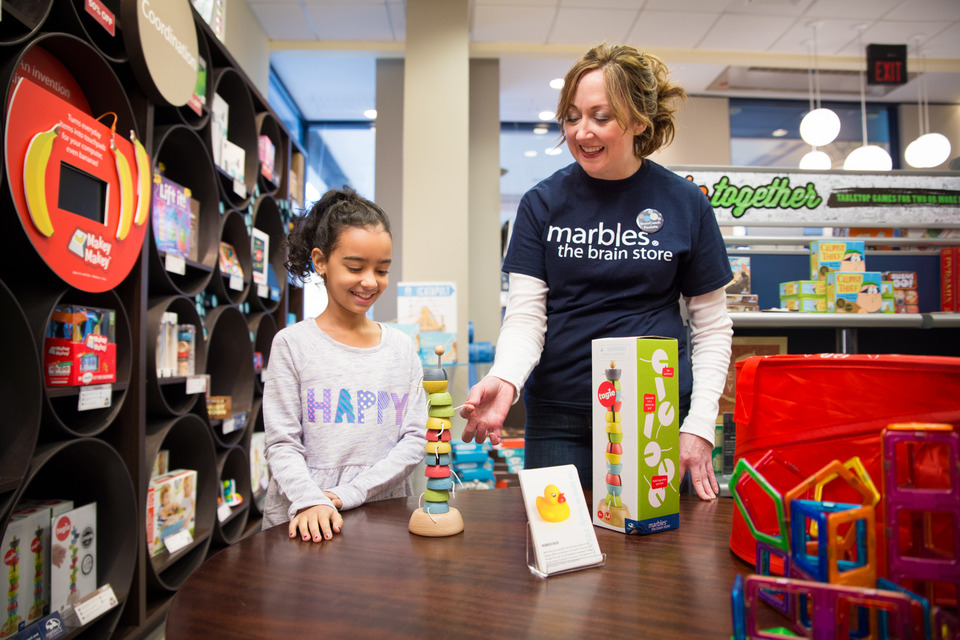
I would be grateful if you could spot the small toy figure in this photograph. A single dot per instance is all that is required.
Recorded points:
(436, 518)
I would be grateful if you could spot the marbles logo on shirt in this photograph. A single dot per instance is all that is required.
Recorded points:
(611, 244)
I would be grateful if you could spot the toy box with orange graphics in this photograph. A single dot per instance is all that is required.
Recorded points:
(22, 572)
(636, 429)
(80, 347)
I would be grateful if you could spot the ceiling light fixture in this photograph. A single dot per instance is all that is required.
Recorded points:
(556, 83)
(553, 151)
(540, 130)
(820, 126)
(530, 154)
(868, 157)
(370, 113)
(547, 116)
(929, 149)
(779, 133)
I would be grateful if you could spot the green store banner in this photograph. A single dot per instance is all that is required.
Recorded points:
(828, 198)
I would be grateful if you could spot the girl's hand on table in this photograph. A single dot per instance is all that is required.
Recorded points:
(316, 523)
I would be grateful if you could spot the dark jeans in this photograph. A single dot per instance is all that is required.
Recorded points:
(562, 435)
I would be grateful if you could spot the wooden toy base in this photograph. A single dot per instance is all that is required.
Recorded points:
(618, 516)
(441, 524)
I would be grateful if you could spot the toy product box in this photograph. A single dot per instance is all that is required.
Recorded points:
(827, 256)
(22, 574)
(172, 218)
(806, 304)
(852, 292)
(80, 347)
(48, 510)
(803, 288)
(636, 430)
(949, 273)
(73, 556)
(171, 507)
(905, 294)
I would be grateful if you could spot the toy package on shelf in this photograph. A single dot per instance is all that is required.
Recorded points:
(161, 464)
(854, 292)
(259, 471)
(198, 100)
(80, 347)
(635, 434)
(260, 252)
(905, 295)
(173, 226)
(167, 345)
(229, 263)
(949, 275)
(743, 302)
(73, 549)
(186, 349)
(827, 256)
(219, 124)
(740, 265)
(268, 154)
(22, 573)
(171, 507)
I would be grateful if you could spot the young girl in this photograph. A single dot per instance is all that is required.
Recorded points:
(343, 406)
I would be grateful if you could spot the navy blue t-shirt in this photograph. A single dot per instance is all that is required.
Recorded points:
(616, 256)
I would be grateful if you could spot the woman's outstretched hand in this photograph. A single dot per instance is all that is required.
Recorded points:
(486, 408)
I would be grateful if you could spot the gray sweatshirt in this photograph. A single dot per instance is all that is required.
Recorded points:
(342, 419)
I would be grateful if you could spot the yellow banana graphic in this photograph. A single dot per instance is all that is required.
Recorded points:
(144, 189)
(126, 192)
(34, 178)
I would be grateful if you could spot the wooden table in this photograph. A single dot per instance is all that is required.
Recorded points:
(379, 580)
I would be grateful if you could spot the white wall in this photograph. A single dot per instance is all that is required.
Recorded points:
(702, 134)
(248, 43)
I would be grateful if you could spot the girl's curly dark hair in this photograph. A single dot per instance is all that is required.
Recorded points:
(337, 210)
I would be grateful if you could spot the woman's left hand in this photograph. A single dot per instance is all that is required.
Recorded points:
(696, 456)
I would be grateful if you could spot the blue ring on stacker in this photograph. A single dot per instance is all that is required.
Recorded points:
(440, 484)
(614, 469)
(614, 491)
(436, 507)
(434, 459)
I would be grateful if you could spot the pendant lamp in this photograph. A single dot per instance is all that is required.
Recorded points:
(868, 157)
(929, 149)
(821, 125)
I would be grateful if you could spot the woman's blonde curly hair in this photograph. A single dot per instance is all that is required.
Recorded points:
(638, 88)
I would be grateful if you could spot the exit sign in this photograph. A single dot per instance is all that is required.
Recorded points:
(886, 64)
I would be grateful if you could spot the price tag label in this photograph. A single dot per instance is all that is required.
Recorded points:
(196, 384)
(229, 425)
(95, 604)
(97, 396)
(236, 283)
(176, 541)
(263, 291)
(223, 512)
(239, 188)
(175, 264)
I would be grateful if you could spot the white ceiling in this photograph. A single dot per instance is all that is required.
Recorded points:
(325, 50)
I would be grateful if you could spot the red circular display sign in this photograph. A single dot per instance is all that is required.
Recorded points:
(82, 193)
(606, 394)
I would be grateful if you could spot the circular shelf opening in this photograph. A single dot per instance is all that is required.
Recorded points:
(263, 328)
(22, 19)
(73, 410)
(107, 483)
(186, 163)
(229, 362)
(167, 394)
(240, 128)
(231, 280)
(234, 465)
(190, 446)
(267, 219)
(21, 401)
(272, 168)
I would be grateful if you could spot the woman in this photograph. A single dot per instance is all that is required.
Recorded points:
(607, 246)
